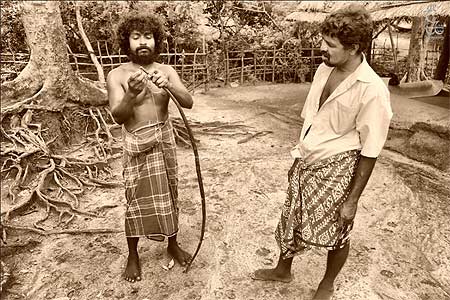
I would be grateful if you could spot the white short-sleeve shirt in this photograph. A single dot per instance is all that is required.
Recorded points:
(355, 116)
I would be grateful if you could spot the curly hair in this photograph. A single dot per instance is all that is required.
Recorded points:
(351, 25)
(142, 23)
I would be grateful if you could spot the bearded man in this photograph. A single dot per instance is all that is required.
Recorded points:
(139, 103)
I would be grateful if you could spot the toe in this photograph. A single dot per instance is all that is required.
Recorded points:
(257, 274)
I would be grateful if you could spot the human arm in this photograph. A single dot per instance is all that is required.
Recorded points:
(122, 100)
(357, 185)
(168, 78)
(372, 123)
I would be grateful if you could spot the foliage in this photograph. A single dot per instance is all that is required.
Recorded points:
(99, 21)
(12, 32)
(191, 25)
(243, 24)
(307, 33)
(182, 22)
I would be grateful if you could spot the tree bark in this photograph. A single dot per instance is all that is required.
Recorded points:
(444, 58)
(416, 54)
(48, 79)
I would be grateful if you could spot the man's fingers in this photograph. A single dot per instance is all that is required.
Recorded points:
(162, 81)
(138, 76)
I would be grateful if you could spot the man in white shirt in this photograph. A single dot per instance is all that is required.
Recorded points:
(346, 121)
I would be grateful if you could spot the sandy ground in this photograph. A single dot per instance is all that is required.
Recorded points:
(400, 243)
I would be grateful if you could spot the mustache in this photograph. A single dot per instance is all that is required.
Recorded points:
(143, 48)
(325, 54)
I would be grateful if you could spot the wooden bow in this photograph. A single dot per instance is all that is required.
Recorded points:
(197, 167)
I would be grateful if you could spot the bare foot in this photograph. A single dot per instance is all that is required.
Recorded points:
(133, 269)
(181, 256)
(271, 275)
(324, 291)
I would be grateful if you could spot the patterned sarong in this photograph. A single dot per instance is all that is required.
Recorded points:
(310, 215)
(150, 173)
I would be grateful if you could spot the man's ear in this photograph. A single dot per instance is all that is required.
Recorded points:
(354, 48)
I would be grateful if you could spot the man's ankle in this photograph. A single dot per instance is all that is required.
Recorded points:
(327, 282)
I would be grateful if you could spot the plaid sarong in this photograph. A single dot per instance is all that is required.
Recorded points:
(150, 173)
(310, 215)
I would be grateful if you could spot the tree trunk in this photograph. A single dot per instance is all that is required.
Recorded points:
(48, 79)
(101, 74)
(444, 58)
(416, 54)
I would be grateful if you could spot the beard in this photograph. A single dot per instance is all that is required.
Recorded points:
(143, 59)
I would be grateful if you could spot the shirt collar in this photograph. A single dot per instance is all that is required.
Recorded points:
(364, 72)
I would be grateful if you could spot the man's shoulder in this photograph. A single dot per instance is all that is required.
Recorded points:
(125, 67)
(120, 71)
(164, 67)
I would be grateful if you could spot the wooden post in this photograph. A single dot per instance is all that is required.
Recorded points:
(193, 71)
(227, 67)
(284, 61)
(265, 62)
(71, 53)
(273, 65)
(299, 58)
(182, 65)
(99, 53)
(109, 56)
(374, 50)
(254, 62)
(312, 62)
(394, 49)
(174, 58)
(242, 68)
(168, 52)
(206, 70)
(203, 44)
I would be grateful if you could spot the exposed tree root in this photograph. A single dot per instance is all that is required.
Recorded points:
(51, 94)
(5, 272)
(25, 85)
(64, 231)
(54, 181)
(181, 134)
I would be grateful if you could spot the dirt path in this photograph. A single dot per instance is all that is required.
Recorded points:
(400, 246)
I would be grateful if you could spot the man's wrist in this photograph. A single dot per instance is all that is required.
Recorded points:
(352, 200)
(132, 94)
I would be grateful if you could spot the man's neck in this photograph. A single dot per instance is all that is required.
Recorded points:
(351, 64)
(147, 66)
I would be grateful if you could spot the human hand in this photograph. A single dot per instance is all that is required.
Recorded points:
(348, 212)
(291, 170)
(137, 82)
(160, 79)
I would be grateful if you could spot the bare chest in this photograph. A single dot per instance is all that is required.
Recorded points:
(150, 97)
(332, 83)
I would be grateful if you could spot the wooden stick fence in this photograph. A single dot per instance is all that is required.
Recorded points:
(275, 65)
(383, 55)
(272, 64)
(191, 67)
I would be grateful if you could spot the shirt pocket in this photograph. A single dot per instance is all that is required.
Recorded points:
(343, 117)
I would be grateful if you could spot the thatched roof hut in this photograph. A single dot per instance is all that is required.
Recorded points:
(316, 11)
(306, 16)
(412, 9)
